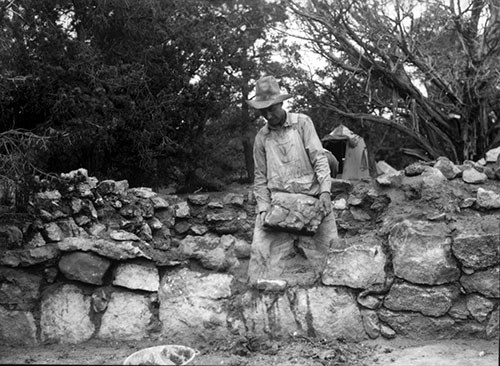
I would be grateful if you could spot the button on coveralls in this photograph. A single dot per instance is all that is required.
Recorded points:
(290, 159)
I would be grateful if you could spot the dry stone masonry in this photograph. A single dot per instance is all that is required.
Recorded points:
(418, 257)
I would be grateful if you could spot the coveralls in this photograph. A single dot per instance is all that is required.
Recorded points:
(290, 159)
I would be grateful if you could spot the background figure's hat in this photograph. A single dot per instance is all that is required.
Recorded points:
(267, 93)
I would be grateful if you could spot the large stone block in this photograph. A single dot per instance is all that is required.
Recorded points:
(65, 315)
(127, 317)
(358, 262)
(17, 327)
(484, 282)
(476, 241)
(84, 267)
(317, 312)
(137, 276)
(296, 213)
(433, 301)
(19, 289)
(193, 306)
(422, 252)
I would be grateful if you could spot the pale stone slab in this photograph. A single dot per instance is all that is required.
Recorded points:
(126, 318)
(137, 276)
(65, 316)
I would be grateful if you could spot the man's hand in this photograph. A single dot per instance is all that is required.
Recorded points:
(325, 202)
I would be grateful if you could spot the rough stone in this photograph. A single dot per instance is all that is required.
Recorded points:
(29, 256)
(422, 252)
(487, 199)
(418, 326)
(19, 289)
(84, 267)
(297, 213)
(234, 199)
(446, 166)
(479, 307)
(190, 301)
(484, 282)
(10, 237)
(117, 250)
(64, 316)
(127, 317)
(138, 276)
(198, 199)
(472, 176)
(52, 232)
(459, 309)
(182, 210)
(432, 301)
(17, 327)
(142, 192)
(476, 241)
(370, 323)
(492, 328)
(321, 311)
(358, 263)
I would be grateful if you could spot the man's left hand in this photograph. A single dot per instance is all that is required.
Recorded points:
(325, 202)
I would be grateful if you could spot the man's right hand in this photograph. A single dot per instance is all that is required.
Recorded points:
(262, 216)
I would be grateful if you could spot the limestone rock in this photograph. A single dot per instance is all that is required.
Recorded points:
(126, 318)
(234, 199)
(446, 166)
(370, 323)
(433, 301)
(484, 282)
(52, 232)
(190, 301)
(199, 199)
(59, 310)
(11, 237)
(492, 328)
(487, 199)
(422, 253)
(296, 213)
(120, 250)
(17, 327)
(84, 267)
(358, 263)
(29, 256)
(182, 210)
(417, 326)
(476, 241)
(472, 176)
(139, 276)
(321, 311)
(19, 289)
(479, 307)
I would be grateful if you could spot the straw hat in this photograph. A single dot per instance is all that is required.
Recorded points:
(267, 93)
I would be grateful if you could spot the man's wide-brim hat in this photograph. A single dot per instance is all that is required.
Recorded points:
(267, 93)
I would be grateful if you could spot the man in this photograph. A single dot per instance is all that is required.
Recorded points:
(289, 157)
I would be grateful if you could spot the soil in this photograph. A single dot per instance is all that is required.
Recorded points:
(295, 351)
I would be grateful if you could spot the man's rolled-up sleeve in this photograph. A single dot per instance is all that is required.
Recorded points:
(317, 156)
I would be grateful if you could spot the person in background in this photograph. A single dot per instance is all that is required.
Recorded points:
(333, 163)
(289, 157)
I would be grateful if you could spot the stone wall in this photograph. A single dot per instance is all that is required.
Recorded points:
(418, 257)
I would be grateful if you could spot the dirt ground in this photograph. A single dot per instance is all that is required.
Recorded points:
(304, 352)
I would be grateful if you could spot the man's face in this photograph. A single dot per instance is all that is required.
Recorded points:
(273, 114)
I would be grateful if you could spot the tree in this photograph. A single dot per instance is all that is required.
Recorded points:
(388, 47)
